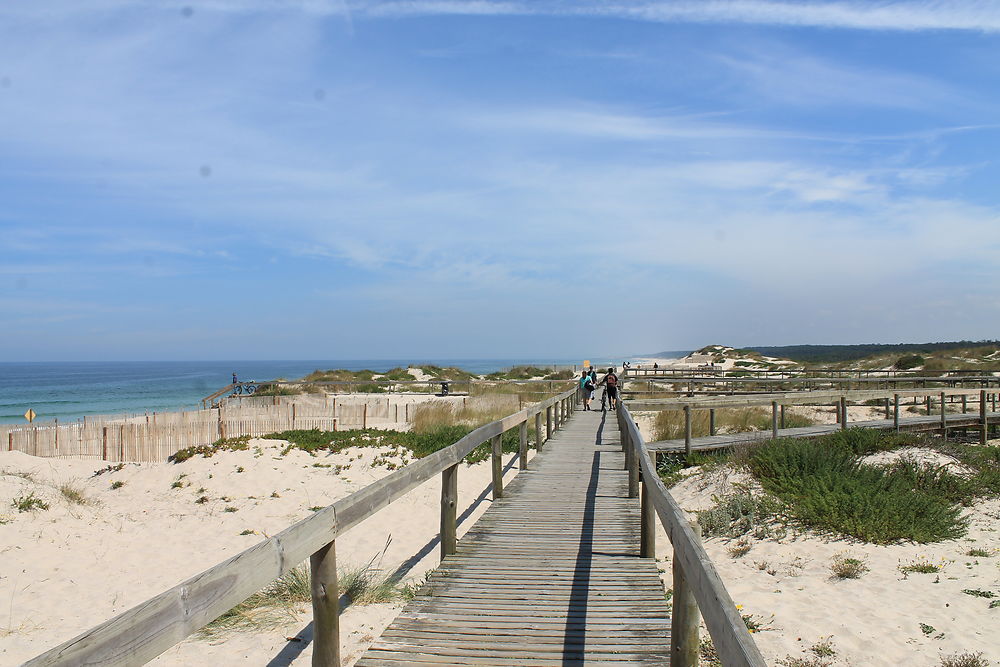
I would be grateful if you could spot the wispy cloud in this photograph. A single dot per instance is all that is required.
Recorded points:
(900, 15)
(909, 15)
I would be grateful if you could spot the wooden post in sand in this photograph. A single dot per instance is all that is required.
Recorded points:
(548, 423)
(632, 460)
(983, 422)
(782, 416)
(647, 517)
(711, 421)
(497, 461)
(774, 419)
(522, 445)
(449, 503)
(895, 412)
(687, 430)
(944, 423)
(326, 607)
(843, 413)
(684, 643)
(538, 431)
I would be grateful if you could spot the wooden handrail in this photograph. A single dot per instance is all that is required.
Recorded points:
(732, 640)
(143, 632)
(787, 398)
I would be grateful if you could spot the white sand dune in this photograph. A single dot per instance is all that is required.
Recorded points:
(65, 569)
(873, 620)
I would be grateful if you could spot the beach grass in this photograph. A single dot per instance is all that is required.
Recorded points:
(669, 424)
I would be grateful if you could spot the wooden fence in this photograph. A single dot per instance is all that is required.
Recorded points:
(153, 437)
(143, 632)
(698, 589)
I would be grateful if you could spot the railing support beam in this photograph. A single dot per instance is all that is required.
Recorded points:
(647, 517)
(326, 607)
(984, 426)
(522, 445)
(497, 460)
(449, 505)
(687, 430)
(685, 618)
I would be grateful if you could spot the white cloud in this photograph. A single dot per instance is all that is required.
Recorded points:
(903, 15)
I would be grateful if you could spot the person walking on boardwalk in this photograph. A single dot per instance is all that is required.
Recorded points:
(587, 389)
(610, 382)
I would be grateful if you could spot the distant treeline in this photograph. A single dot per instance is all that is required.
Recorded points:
(834, 353)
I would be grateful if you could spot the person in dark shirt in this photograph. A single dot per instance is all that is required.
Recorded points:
(610, 382)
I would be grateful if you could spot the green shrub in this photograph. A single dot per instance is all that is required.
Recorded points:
(826, 488)
(420, 444)
(909, 361)
(223, 445)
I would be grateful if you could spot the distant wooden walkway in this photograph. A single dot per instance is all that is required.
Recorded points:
(550, 575)
(909, 424)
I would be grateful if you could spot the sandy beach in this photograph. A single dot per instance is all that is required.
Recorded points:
(129, 543)
(146, 527)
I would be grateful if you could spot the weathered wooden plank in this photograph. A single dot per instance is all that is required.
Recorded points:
(532, 578)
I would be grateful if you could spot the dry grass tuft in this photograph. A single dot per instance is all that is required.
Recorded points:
(964, 660)
(845, 566)
(478, 410)
(73, 494)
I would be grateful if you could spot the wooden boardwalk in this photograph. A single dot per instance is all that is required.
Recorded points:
(550, 575)
(919, 423)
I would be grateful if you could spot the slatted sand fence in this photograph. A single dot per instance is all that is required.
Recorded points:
(550, 574)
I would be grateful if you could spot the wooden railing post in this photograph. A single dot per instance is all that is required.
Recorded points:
(632, 461)
(538, 431)
(774, 419)
(687, 430)
(944, 423)
(449, 504)
(685, 618)
(983, 422)
(497, 467)
(647, 517)
(895, 412)
(782, 416)
(326, 607)
(711, 421)
(522, 444)
(843, 412)
(548, 423)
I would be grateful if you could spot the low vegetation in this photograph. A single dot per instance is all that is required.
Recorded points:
(845, 566)
(966, 659)
(29, 503)
(281, 601)
(826, 488)
(822, 484)
(73, 494)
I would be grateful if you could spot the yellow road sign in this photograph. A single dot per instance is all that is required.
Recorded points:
(30, 415)
(586, 363)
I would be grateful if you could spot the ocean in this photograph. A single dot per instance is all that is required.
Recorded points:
(68, 390)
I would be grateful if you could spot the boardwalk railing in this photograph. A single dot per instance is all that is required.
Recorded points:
(143, 632)
(697, 585)
(892, 401)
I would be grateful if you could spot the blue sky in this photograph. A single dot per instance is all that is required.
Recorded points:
(348, 179)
